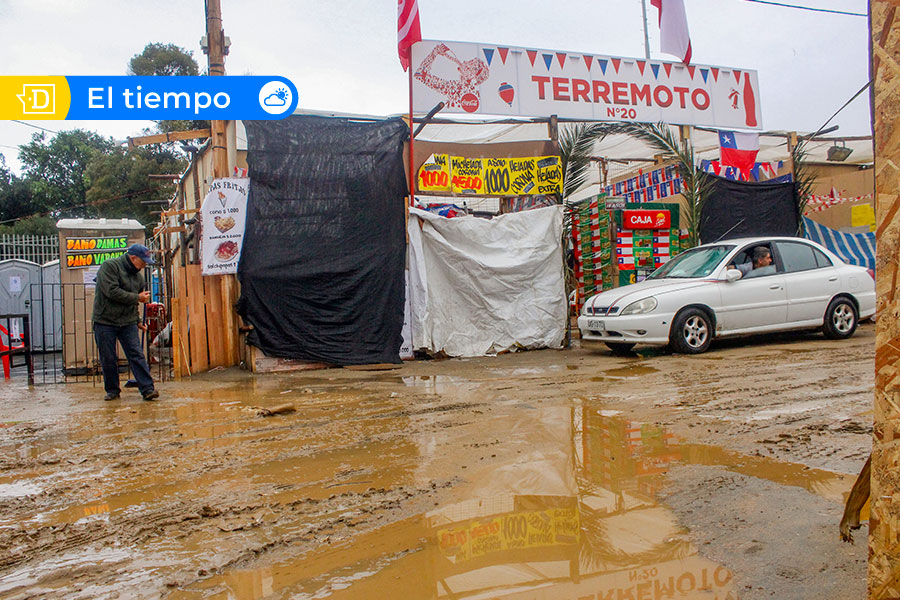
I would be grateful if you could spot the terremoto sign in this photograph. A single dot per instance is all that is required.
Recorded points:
(500, 80)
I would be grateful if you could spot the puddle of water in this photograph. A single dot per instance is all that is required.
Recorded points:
(636, 370)
(18, 489)
(573, 517)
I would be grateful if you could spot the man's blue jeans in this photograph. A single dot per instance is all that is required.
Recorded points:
(127, 335)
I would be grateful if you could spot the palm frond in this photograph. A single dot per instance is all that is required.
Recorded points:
(576, 145)
(803, 181)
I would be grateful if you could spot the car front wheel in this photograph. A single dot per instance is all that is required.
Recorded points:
(691, 332)
(840, 319)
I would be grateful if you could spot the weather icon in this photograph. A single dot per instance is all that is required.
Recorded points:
(276, 98)
(279, 98)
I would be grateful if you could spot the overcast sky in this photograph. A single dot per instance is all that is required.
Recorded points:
(342, 56)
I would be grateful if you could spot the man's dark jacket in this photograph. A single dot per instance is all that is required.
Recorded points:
(116, 297)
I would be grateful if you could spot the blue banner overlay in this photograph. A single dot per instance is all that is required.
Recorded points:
(147, 98)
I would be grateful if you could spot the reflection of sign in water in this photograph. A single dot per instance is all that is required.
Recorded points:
(519, 529)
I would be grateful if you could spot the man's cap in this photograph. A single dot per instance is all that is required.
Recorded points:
(142, 252)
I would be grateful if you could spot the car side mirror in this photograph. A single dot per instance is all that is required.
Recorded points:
(732, 275)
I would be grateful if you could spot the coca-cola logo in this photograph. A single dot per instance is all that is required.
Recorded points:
(469, 102)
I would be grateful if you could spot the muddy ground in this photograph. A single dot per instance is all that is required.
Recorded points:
(556, 475)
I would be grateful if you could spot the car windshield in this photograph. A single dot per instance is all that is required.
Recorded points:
(697, 262)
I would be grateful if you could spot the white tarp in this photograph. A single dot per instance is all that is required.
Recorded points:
(478, 287)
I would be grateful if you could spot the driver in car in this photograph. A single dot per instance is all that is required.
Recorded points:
(762, 264)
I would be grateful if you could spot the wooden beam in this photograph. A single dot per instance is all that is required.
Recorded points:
(884, 541)
(173, 136)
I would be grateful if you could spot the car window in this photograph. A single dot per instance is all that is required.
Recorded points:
(696, 262)
(797, 257)
(821, 259)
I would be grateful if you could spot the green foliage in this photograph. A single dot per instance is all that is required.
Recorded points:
(163, 59)
(803, 180)
(167, 59)
(696, 184)
(118, 182)
(38, 225)
(576, 145)
(55, 169)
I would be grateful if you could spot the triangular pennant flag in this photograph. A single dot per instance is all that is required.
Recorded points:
(603, 62)
(561, 57)
(704, 72)
(616, 63)
(717, 167)
(715, 72)
(655, 71)
(668, 67)
(588, 60)
(488, 54)
(691, 69)
(755, 171)
(503, 52)
(737, 76)
(532, 54)
(641, 65)
(548, 58)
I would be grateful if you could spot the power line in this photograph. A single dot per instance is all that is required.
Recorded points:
(810, 8)
(35, 126)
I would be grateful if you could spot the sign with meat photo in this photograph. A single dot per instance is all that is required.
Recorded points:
(224, 215)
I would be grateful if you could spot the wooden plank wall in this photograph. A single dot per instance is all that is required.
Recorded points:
(204, 322)
(884, 522)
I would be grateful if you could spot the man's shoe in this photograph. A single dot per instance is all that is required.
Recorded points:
(151, 395)
(111, 396)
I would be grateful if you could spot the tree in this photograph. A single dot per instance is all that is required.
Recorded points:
(167, 59)
(55, 170)
(118, 182)
(163, 59)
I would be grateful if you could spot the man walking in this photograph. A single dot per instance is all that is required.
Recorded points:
(120, 288)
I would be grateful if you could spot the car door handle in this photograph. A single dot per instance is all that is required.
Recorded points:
(774, 286)
(832, 279)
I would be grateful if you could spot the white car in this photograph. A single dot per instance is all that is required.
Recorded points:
(703, 293)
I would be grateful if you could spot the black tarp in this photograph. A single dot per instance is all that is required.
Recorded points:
(740, 209)
(322, 265)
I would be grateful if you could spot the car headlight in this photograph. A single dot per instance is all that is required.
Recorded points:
(640, 307)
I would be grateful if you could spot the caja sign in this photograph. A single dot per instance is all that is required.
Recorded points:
(647, 219)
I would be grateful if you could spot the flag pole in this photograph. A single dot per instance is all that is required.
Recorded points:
(646, 35)
(412, 173)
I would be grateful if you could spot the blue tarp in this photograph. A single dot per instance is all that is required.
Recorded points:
(853, 248)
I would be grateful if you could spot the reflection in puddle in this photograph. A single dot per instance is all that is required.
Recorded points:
(572, 519)
(636, 370)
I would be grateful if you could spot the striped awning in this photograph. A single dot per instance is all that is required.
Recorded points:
(853, 248)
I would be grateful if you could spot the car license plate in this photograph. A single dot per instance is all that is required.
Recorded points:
(597, 325)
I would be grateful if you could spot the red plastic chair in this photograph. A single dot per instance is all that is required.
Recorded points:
(4, 348)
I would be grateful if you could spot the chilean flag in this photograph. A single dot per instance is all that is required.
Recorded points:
(739, 150)
(408, 30)
(674, 37)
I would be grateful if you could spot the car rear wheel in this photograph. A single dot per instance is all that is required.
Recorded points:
(620, 347)
(840, 319)
(691, 332)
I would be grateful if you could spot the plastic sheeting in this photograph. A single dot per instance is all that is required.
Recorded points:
(322, 270)
(479, 287)
(738, 209)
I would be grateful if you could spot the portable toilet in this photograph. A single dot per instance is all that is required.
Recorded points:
(84, 245)
(16, 279)
(51, 305)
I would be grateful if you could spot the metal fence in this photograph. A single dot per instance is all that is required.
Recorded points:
(61, 338)
(36, 248)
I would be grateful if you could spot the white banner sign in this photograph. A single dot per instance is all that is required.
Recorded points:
(499, 80)
(224, 215)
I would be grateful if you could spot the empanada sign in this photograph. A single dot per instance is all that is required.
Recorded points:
(224, 217)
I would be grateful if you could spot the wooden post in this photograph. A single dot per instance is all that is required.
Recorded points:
(884, 522)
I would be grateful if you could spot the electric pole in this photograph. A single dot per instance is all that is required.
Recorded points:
(216, 50)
